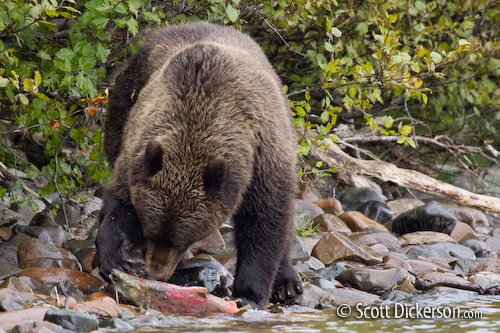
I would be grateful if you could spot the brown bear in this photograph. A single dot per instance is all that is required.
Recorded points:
(198, 130)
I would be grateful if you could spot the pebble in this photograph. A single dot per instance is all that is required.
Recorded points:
(356, 221)
(352, 297)
(397, 262)
(354, 197)
(335, 247)
(72, 320)
(480, 248)
(329, 222)
(402, 205)
(419, 267)
(53, 275)
(35, 252)
(441, 250)
(115, 325)
(424, 237)
(330, 206)
(315, 297)
(370, 238)
(374, 280)
(311, 264)
(471, 216)
(461, 231)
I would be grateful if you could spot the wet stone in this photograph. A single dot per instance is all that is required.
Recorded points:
(420, 266)
(370, 238)
(115, 324)
(34, 252)
(486, 280)
(377, 211)
(374, 280)
(331, 272)
(352, 297)
(204, 271)
(305, 212)
(441, 250)
(431, 217)
(395, 296)
(7, 269)
(335, 247)
(315, 297)
(402, 205)
(311, 264)
(330, 206)
(330, 222)
(72, 320)
(424, 237)
(434, 279)
(480, 248)
(462, 266)
(54, 275)
(358, 222)
(353, 197)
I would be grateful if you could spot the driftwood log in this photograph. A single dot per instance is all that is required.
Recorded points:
(335, 157)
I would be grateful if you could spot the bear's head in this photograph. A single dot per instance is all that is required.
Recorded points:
(179, 200)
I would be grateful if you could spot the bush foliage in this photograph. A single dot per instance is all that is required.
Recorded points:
(426, 67)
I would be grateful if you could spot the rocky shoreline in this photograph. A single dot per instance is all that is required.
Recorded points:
(370, 246)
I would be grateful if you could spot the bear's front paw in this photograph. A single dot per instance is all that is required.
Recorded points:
(287, 285)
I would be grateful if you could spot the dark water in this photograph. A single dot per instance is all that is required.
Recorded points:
(454, 311)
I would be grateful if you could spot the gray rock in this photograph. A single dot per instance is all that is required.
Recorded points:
(395, 296)
(310, 265)
(9, 305)
(369, 238)
(115, 324)
(7, 269)
(431, 217)
(441, 250)
(332, 271)
(305, 212)
(377, 281)
(315, 297)
(8, 252)
(299, 250)
(480, 248)
(352, 296)
(8, 217)
(72, 320)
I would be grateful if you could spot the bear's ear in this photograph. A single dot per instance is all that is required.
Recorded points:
(214, 174)
(152, 158)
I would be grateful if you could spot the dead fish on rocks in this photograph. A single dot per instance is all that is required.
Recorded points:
(169, 298)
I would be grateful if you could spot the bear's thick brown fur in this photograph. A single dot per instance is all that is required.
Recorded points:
(198, 130)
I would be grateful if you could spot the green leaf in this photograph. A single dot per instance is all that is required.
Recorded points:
(23, 99)
(336, 32)
(3, 191)
(388, 122)
(328, 47)
(4, 82)
(34, 206)
(38, 78)
(424, 98)
(463, 42)
(232, 13)
(27, 84)
(65, 54)
(410, 142)
(133, 26)
(325, 116)
(436, 57)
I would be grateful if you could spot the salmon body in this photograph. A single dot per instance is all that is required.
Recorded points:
(169, 298)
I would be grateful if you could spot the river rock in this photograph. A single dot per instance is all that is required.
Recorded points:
(299, 250)
(461, 231)
(419, 267)
(7, 269)
(430, 217)
(335, 247)
(441, 250)
(315, 297)
(402, 205)
(377, 211)
(305, 212)
(434, 279)
(35, 252)
(330, 222)
(469, 215)
(356, 221)
(53, 275)
(8, 252)
(72, 320)
(487, 280)
(352, 297)
(329, 273)
(115, 325)
(17, 316)
(374, 280)
(486, 265)
(310, 265)
(369, 238)
(493, 243)
(379, 248)
(8, 217)
(57, 233)
(353, 197)
(424, 237)
(397, 262)
(330, 206)
(204, 271)
(480, 248)
(5, 233)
